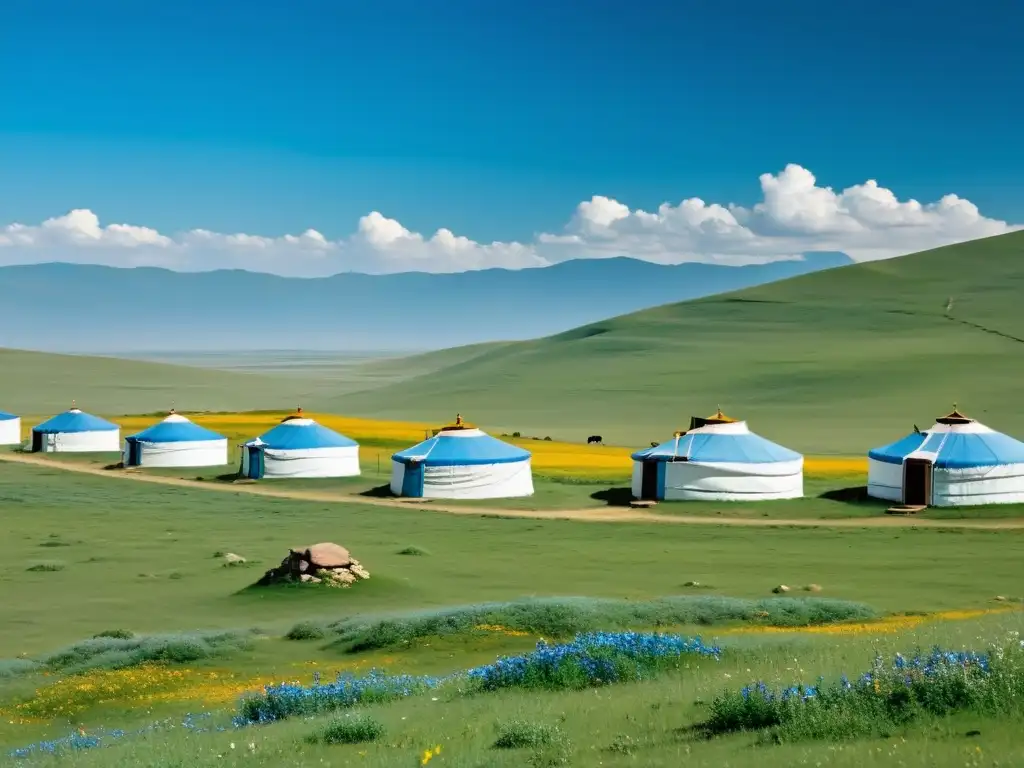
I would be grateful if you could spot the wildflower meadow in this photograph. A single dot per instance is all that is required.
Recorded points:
(492, 640)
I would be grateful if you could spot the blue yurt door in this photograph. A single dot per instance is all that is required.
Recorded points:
(412, 480)
(256, 466)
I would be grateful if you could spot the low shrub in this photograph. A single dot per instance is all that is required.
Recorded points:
(278, 702)
(413, 550)
(117, 634)
(589, 660)
(520, 734)
(15, 667)
(47, 567)
(353, 729)
(116, 652)
(566, 616)
(306, 630)
(881, 701)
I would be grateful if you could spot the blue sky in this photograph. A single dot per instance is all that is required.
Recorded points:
(493, 119)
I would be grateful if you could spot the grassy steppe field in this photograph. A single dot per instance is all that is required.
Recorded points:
(834, 362)
(830, 364)
(131, 556)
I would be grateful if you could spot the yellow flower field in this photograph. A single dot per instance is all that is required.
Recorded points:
(885, 626)
(549, 457)
(154, 683)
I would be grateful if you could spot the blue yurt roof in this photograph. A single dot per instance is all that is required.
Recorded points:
(75, 420)
(300, 433)
(176, 429)
(5, 416)
(462, 447)
(955, 442)
(719, 441)
(893, 453)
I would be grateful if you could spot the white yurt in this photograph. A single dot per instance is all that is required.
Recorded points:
(175, 442)
(299, 447)
(462, 462)
(10, 429)
(955, 462)
(76, 431)
(718, 459)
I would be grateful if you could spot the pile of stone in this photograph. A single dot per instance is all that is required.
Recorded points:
(324, 563)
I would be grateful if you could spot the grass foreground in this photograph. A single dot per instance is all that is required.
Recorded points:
(138, 646)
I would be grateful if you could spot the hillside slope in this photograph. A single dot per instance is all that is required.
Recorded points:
(91, 309)
(41, 383)
(831, 362)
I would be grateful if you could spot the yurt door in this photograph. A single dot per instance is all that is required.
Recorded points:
(256, 462)
(134, 452)
(649, 481)
(917, 482)
(412, 480)
(37, 441)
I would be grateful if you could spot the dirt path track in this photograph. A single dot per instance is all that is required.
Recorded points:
(593, 515)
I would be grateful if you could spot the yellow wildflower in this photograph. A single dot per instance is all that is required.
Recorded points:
(550, 457)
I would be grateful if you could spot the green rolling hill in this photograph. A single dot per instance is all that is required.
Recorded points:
(834, 362)
(41, 383)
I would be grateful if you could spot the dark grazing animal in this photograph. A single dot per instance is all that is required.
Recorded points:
(593, 439)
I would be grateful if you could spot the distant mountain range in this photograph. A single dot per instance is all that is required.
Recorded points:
(83, 308)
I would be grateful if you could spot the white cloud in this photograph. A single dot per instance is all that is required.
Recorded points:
(795, 215)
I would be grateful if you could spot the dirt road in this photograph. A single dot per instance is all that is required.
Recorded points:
(592, 515)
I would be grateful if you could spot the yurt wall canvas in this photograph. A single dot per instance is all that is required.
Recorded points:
(462, 462)
(176, 442)
(299, 448)
(722, 460)
(10, 429)
(956, 462)
(75, 431)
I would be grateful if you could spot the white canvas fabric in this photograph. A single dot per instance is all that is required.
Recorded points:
(476, 481)
(978, 485)
(885, 481)
(187, 453)
(10, 431)
(307, 462)
(970, 486)
(106, 441)
(738, 481)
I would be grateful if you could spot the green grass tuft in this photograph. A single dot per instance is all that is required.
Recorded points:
(564, 617)
(15, 667)
(118, 653)
(116, 634)
(50, 566)
(351, 729)
(413, 550)
(307, 630)
(520, 734)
